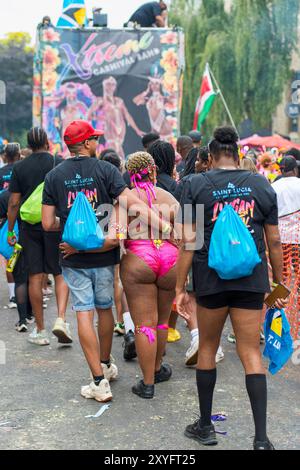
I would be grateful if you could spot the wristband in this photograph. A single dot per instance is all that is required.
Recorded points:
(274, 285)
(11, 234)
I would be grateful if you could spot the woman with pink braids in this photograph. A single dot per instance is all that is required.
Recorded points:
(148, 274)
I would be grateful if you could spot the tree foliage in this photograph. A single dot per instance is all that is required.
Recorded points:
(249, 49)
(16, 65)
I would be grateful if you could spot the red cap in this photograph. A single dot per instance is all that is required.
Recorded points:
(79, 131)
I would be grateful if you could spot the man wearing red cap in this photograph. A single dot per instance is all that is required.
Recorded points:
(90, 275)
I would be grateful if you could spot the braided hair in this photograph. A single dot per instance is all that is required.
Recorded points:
(37, 138)
(139, 163)
(11, 151)
(190, 163)
(163, 154)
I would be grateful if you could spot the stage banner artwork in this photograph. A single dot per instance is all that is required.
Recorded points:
(125, 82)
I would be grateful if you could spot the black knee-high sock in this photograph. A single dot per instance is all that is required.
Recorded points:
(206, 381)
(256, 385)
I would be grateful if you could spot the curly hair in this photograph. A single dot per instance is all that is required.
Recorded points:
(140, 162)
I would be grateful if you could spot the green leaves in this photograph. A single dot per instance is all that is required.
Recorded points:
(16, 69)
(249, 50)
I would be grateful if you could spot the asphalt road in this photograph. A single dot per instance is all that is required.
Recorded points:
(41, 406)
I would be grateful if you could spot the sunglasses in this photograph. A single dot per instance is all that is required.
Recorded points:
(94, 137)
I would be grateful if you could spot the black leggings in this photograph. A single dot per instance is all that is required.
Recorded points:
(21, 289)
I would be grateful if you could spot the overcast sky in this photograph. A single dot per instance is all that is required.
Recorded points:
(24, 15)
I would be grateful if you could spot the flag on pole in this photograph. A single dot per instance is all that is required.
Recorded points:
(73, 14)
(205, 100)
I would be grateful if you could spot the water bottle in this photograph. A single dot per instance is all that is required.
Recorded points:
(14, 258)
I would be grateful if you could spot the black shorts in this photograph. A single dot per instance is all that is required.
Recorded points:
(41, 250)
(233, 299)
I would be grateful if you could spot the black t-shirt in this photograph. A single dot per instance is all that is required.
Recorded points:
(126, 177)
(4, 198)
(254, 200)
(146, 15)
(28, 174)
(164, 181)
(5, 176)
(101, 182)
(180, 186)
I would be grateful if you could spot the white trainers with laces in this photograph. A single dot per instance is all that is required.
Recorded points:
(39, 337)
(99, 392)
(220, 355)
(191, 356)
(110, 373)
(62, 331)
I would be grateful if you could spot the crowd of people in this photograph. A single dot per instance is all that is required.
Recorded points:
(151, 267)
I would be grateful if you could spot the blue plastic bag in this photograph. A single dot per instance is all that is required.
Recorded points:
(232, 251)
(5, 249)
(279, 343)
(82, 230)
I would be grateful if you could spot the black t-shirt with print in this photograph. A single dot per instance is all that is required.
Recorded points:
(146, 15)
(254, 200)
(101, 182)
(28, 174)
(5, 176)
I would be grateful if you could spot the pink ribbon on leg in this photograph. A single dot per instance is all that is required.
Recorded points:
(147, 332)
(162, 327)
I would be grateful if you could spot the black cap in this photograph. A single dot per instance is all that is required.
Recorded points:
(195, 136)
(288, 164)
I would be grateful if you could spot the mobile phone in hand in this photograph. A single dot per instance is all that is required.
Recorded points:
(280, 292)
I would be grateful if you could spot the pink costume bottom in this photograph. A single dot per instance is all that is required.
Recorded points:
(159, 255)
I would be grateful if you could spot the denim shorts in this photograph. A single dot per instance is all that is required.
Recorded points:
(90, 288)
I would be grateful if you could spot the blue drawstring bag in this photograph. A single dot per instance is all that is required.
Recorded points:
(279, 343)
(5, 249)
(232, 251)
(82, 230)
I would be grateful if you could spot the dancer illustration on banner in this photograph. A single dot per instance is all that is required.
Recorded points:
(155, 102)
(70, 102)
(110, 114)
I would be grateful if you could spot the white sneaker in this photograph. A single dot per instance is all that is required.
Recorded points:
(12, 303)
(40, 338)
(220, 355)
(191, 356)
(61, 330)
(110, 373)
(99, 392)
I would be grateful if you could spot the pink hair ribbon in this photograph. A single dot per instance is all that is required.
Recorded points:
(147, 186)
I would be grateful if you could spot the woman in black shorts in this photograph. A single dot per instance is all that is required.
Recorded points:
(255, 202)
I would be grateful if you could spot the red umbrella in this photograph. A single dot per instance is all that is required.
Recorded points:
(269, 142)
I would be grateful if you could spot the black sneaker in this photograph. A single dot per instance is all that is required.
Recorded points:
(142, 390)
(263, 445)
(30, 319)
(163, 374)
(129, 346)
(21, 327)
(205, 435)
